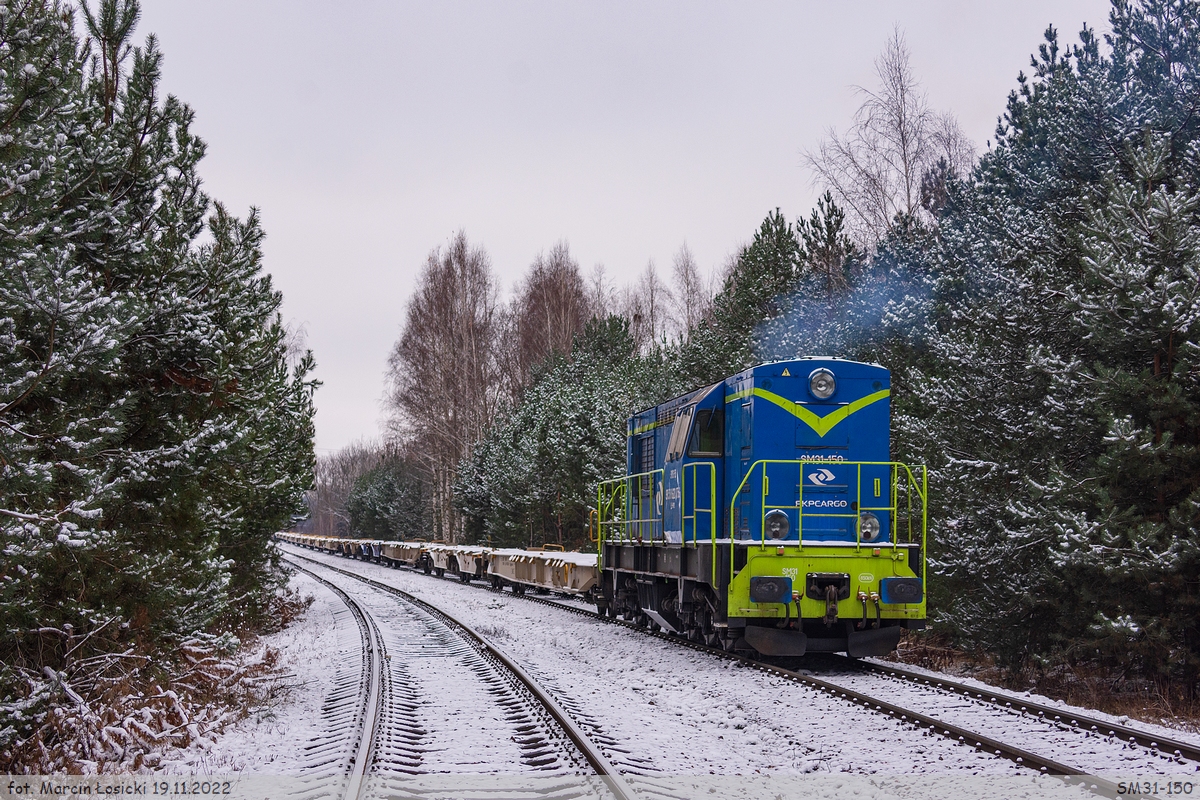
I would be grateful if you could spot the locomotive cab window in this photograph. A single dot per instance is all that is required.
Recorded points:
(679, 434)
(708, 433)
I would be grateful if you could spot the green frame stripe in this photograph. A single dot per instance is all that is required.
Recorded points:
(822, 425)
(645, 428)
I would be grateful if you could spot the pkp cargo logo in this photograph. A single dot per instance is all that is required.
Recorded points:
(821, 477)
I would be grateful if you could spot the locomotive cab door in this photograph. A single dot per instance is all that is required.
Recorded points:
(693, 474)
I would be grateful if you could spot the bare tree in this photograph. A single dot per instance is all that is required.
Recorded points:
(552, 307)
(876, 169)
(443, 372)
(509, 367)
(295, 340)
(335, 477)
(646, 306)
(601, 294)
(692, 295)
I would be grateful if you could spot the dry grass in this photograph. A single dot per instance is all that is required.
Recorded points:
(1087, 686)
(119, 712)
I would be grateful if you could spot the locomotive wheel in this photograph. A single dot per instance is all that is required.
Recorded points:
(464, 577)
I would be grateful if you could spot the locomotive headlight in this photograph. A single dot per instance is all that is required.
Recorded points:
(821, 384)
(777, 524)
(869, 526)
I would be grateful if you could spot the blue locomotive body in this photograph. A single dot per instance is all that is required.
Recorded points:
(770, 494)
(769, 415)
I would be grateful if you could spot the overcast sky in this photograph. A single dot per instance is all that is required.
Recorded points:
(367, 133)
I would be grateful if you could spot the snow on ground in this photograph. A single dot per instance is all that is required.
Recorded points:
(674, 710)
(1092, 753)
(1164, 730)
(271, 738)
(448, 710)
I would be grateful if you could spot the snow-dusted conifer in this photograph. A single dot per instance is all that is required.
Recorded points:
(151, 434)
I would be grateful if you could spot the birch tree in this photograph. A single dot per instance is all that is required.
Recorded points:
(876, 168)
(443, 371)
(550, 309)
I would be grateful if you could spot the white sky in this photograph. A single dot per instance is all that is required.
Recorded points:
(369, 132)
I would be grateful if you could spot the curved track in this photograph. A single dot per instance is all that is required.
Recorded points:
(353, 716)
(507, 682)
(1175, 751)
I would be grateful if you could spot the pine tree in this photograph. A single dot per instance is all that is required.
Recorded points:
(534, 475)
(1052, 376)
(152, 435)
(1128, 528)
(765, 271)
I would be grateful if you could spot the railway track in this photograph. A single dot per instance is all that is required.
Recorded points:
(351, 714)
(1083, 725)
(412, 639)
(1178, 752)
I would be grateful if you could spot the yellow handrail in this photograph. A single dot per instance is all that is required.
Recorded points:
(613, 499)
(894, 467)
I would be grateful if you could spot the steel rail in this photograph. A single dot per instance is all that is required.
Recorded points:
(956, 733)
(364, 753)
(1049, 713)
(591, 752)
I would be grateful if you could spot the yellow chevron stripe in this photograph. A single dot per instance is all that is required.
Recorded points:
(822, 425)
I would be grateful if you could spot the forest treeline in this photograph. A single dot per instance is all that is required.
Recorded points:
(1039, 307)
(156, 426)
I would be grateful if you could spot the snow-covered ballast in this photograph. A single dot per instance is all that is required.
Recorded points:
(548, 570)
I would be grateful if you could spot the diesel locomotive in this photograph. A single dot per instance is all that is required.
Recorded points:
(764, 514)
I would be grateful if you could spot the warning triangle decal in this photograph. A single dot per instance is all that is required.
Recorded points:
(786, 374)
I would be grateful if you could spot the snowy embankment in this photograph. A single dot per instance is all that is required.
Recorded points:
(272, 738)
